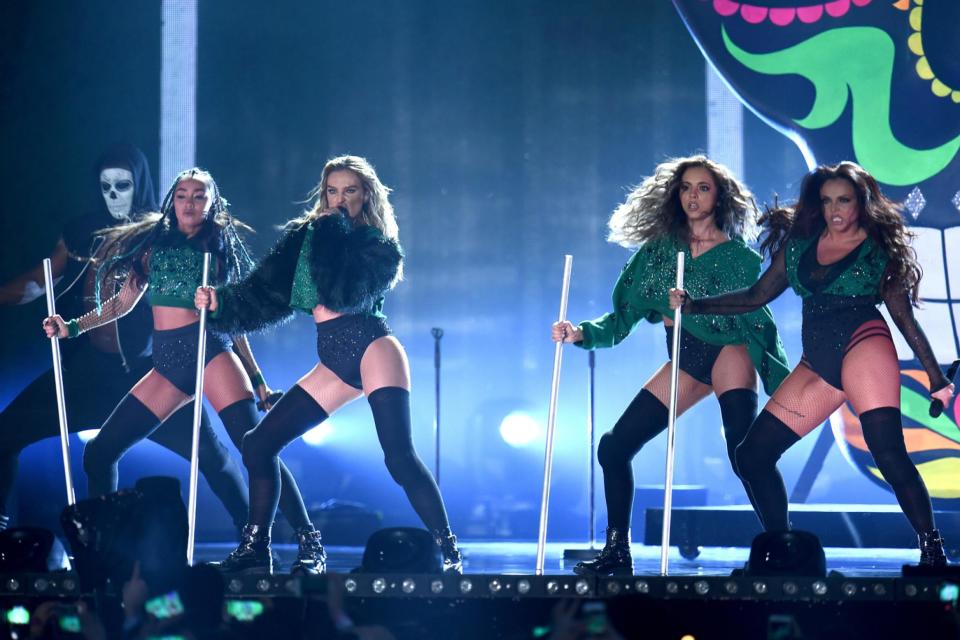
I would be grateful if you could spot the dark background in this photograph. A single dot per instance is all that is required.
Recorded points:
(508, 130)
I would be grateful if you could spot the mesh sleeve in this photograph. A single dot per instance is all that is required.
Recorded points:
(771, 284)
(901, 310)
(114, 308)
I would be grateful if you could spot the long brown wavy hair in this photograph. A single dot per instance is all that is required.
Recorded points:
(653, 209)
(879, 216)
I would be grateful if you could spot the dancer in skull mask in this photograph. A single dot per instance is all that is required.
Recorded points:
(335, 263)
(102, 365)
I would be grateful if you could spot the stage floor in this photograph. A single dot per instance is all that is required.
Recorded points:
(520, 558)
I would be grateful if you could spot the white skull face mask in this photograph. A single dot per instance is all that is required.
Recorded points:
(116, 185)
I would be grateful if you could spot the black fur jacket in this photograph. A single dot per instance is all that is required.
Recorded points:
(352, 268)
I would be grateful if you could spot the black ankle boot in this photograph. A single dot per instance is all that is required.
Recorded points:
(253, 553)
(614, 558)
(311, 556)
(452, 558)
(931, 549)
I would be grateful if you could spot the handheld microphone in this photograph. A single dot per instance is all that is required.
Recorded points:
(936, 407)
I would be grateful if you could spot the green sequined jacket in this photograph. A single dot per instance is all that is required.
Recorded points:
(641, 293)
(350, 270)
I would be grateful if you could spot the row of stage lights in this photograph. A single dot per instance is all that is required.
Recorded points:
(519, 586)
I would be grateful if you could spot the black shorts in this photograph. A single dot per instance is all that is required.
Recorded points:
(831, 327)
(342, 341)
(696, 356)
(175, 354)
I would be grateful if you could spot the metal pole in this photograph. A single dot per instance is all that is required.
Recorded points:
(58, 383)
(437, 333)
(591, 366)
(197, 411)
(671, 426)
(551, 420)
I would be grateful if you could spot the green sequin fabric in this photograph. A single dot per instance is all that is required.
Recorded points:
(862, 278)
(641, 293)
(176, 270)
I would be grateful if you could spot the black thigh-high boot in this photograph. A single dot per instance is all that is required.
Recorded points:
(129, 423)
(643, 419)
(883, 433)
(241, 417)
(221, 471)
(756, 460)
(738, 410)
(295, 414)
(391, 415)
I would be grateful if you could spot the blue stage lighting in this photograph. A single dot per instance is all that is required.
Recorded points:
(319, 434)
(519, 429)
(88, 434)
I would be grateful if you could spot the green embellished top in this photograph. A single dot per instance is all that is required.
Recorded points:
(176, 270)
(303, 294)
(861, 278)
(641, 293)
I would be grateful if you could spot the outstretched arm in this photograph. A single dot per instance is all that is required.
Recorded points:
(901, 310)
(29, 286)
(771, 284)
(113, 309)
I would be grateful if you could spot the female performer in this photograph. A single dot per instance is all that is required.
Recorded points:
(164, 255)
(696, 206)
(843, 248)
(335, 263)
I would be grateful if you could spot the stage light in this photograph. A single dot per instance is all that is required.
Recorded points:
(819, 587)
(702, 587)
(379, 585)
(319, 434)
(760, 587)
(910, 590)
(879, 590)
(263, 585)
(582, 587)
(401, 550)
(436, 586)
(642, 586)
(519, 429)
(523, 586)
(790, 588)
(235, 585)
(408, 585)
(350, 585)
(495, 586)
(553, 587)
(13, 584)
(466, 586)
(87, 434)
(786, 553)
(672, 587)
(613, 587)
(849, 589)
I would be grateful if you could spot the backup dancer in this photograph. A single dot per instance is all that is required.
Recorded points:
(843, 248)
(697, 206)
(335, 263)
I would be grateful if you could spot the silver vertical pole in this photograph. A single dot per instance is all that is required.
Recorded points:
(58, 383)
(437, 333)
(197, 411)
(552, 420)
(671, 426)
(591, 366)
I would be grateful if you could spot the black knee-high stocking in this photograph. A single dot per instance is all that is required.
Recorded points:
(391, 414)
(644, 418)
(883, 432)
(756, 460)
(738, 410)
(241, 417)
(129, 423)
(295, 414)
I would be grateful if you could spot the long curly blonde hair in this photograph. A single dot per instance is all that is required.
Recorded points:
(653, 209)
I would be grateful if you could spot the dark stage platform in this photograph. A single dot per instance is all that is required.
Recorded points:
(498, 596)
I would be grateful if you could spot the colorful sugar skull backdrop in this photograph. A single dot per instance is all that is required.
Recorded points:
(877, 82)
